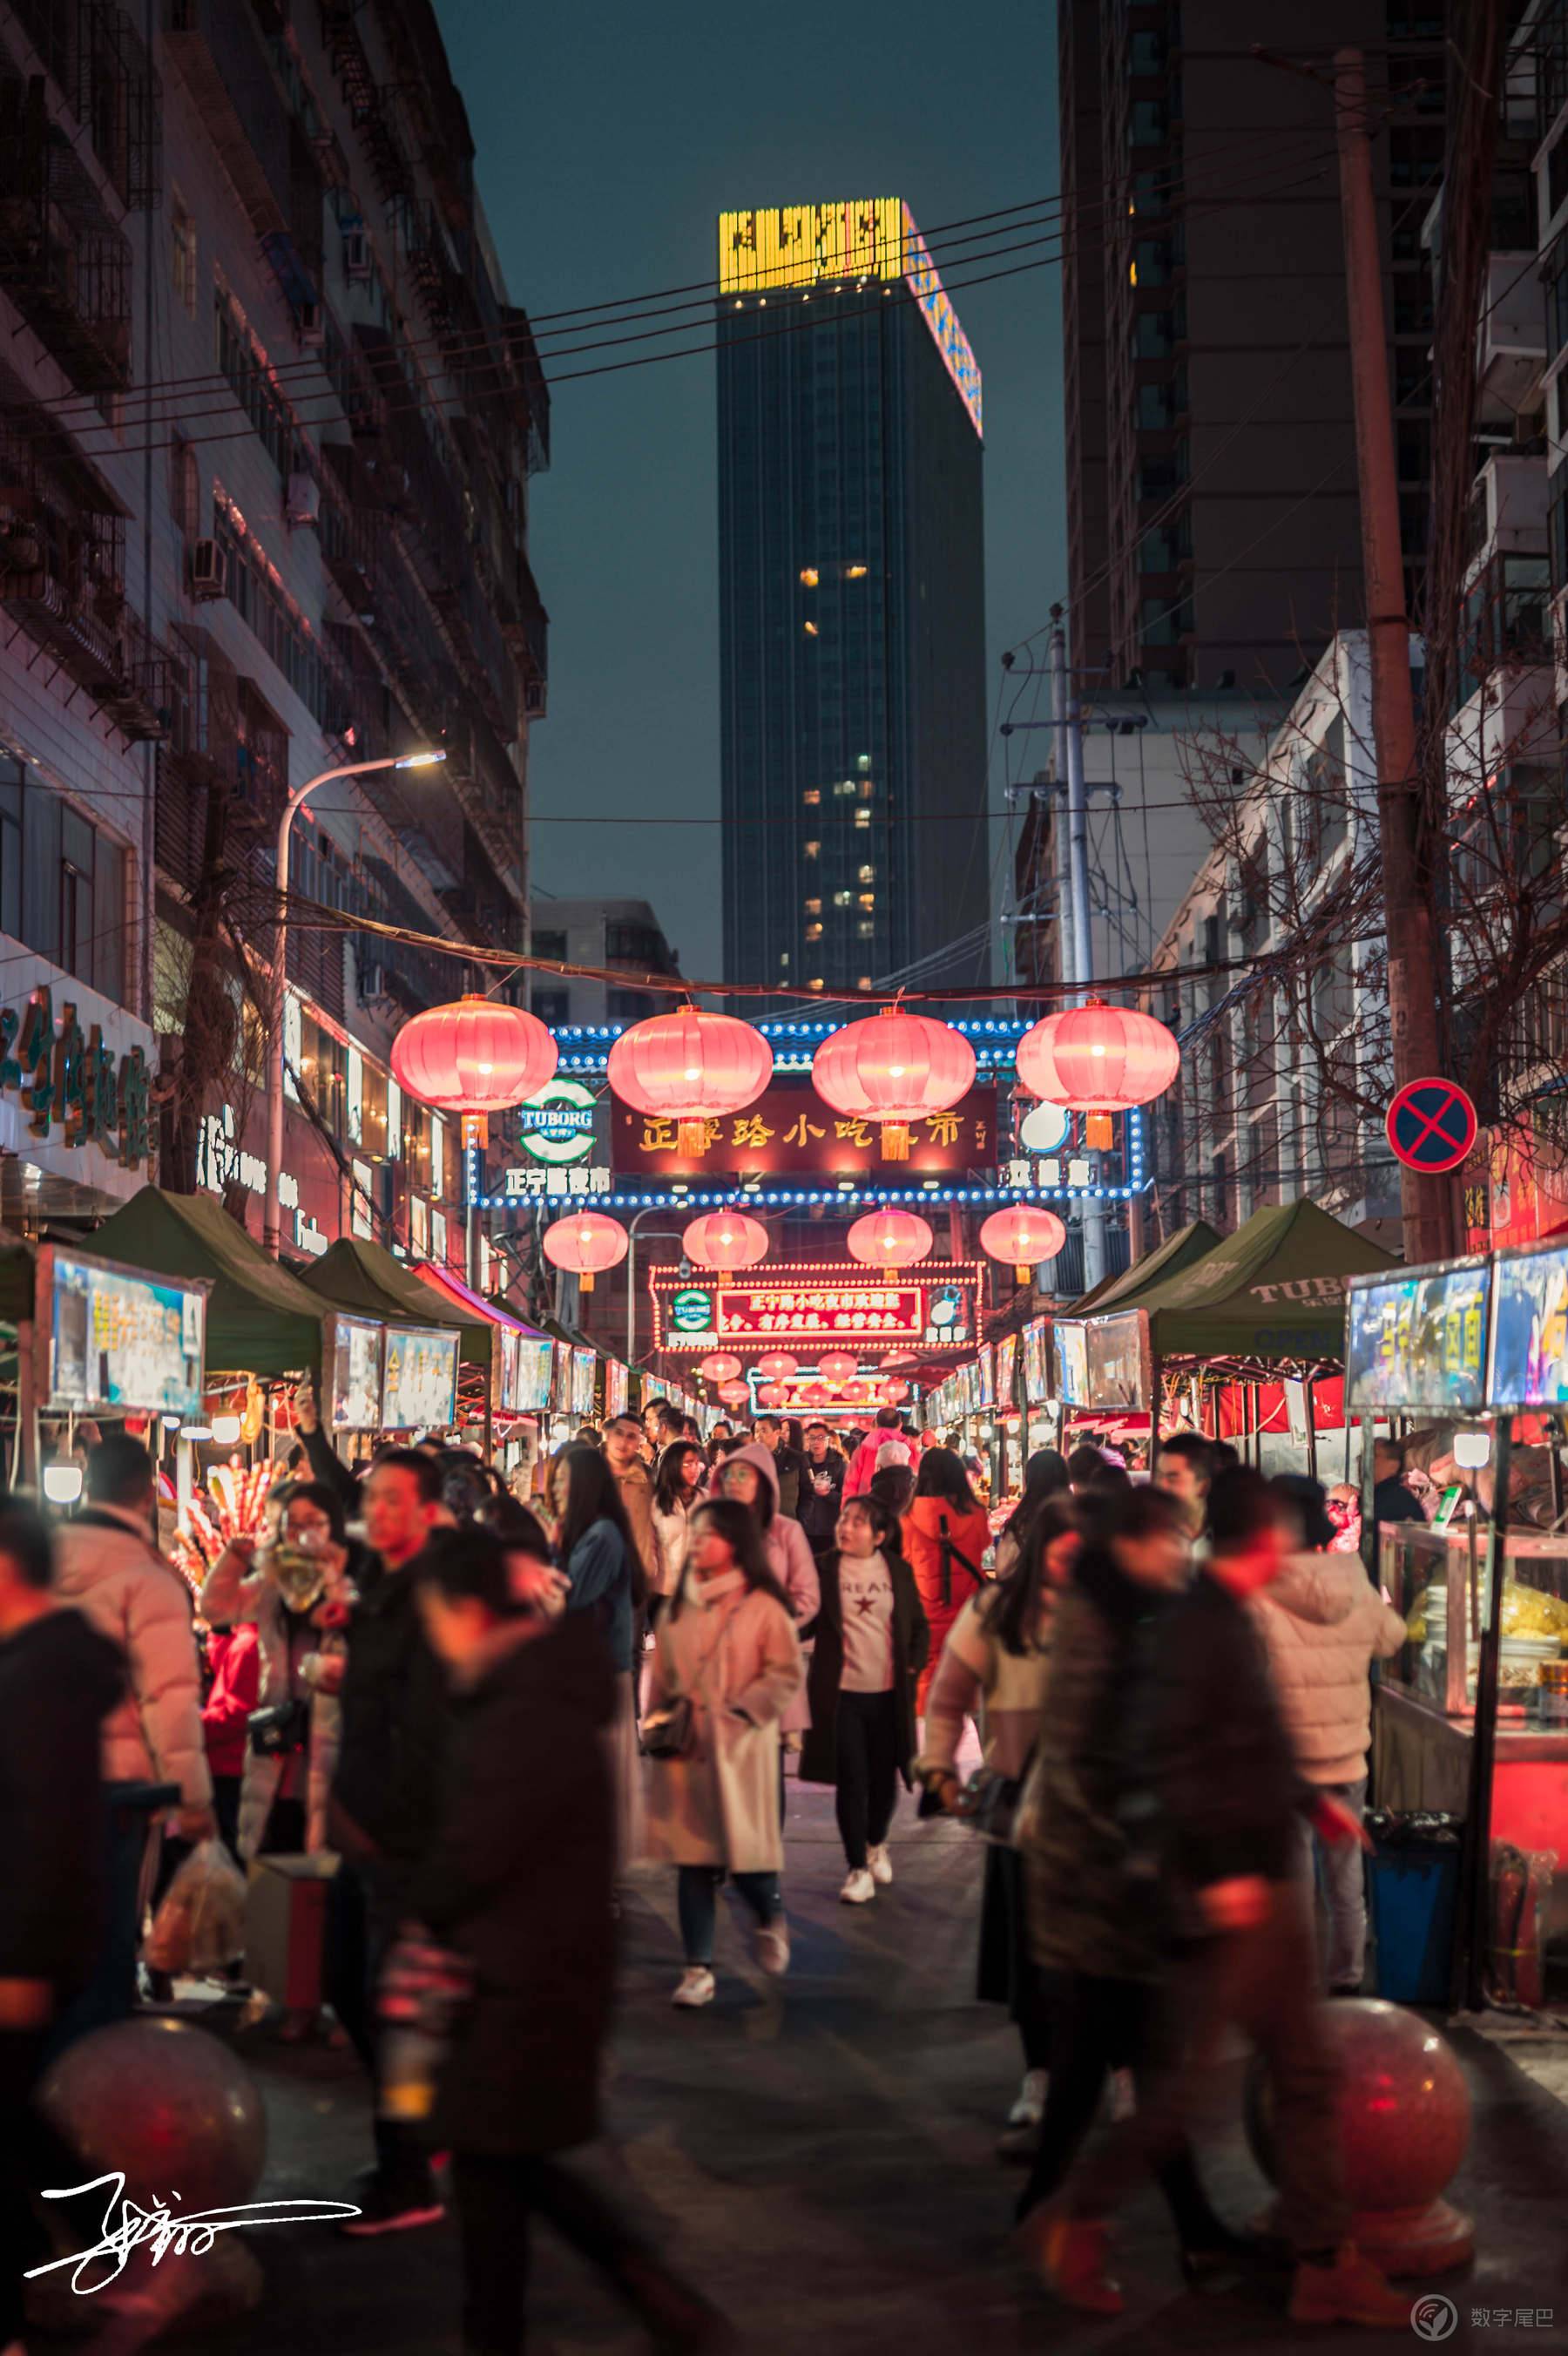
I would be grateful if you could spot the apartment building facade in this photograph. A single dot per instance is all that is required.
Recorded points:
(268, 424)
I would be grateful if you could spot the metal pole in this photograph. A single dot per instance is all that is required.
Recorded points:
(1066, 961)
(1484, 1755)
(1077, 947)
(1427, 1204)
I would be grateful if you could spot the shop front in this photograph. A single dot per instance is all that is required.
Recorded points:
(77, 1129)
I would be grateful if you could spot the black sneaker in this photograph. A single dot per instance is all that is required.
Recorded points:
(390, 2208)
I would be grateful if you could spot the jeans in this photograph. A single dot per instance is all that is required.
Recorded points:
(1097, 2026)
(496, 2196)
(110, 1994)
(363, 1915)
(866, 1739)
(697, 1902)
(1336, 1870)
(1260, 1980)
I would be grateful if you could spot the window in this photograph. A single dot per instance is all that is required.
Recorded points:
(244, 363)
(632, 944)
(813, 849)
(843, 899)
(866, 928)
(182, 255)
(814, 907)
(260, 601)
(812, 797)
(814, 932)
(811, 630)
(808, 576)
(863, 819)
(866, 789)
(868, 874)
(856, 571)
(185, 489)
(62, 883)
(845, 785)
(550, 944)
(867, 899)
(629, 1005)
(553, 1007)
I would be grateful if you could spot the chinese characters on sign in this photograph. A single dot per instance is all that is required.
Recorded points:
(68, 1078)
(872, 1312)
(818, 1306)
(790, 1128)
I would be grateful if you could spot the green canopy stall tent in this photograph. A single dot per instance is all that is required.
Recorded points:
(368, 1281)
(1265, 1303)
(1122, 1293)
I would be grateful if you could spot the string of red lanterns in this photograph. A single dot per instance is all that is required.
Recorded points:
(1099, 1059)
(893, 1068)
(725, 1239)
(690, 1067)
(1023, 1235)
(476, 1055)
(890, 1238)
(585, 1243)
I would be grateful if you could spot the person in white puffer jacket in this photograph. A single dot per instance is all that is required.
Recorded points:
(1324, 1624)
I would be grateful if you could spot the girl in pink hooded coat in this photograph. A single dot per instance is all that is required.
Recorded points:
(750, 1476)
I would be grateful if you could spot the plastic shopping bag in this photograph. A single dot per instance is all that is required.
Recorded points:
(200, 1923)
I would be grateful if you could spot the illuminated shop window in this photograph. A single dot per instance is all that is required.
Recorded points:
(814, 907)
(856, 571)
(811, 630)
(808, 576)
(814, 932)
(812, 797)
(868, 874)
(866, 928)
(813, 849)
(867, 899)
(816, 985)
(843, 899)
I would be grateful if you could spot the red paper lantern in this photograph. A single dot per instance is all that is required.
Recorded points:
(725, 1239)
(735, 1394)
(585, 1243)
(1099, 1059)
(893, 1068)
(777, 1367)
(1023, 1235)
(719, 1366)
(771, 1394)
(690, 1067)
(476, 1057)
(837, 1367)
(817, 1395)
(892, 1392)
(888, 1238)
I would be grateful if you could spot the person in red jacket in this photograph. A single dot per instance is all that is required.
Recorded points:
(945, 1534)
(236, 1664)
(888, 1429)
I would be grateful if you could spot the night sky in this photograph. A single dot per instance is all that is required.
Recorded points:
(609, 138)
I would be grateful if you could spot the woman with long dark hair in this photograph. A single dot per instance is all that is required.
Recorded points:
(597, 1554)
(679, 1485)
(871, 1642)
(946, 1535)
(994, 1665)
(1045, 1476)
(727, 1660)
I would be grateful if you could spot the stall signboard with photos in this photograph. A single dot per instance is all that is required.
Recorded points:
(1417, 1341)
(353, 1374)
(584, 1368)
(1072, 1345)
(1006, 1372)
(1037, 1362)
(617, 1388)
(1116, 1361)
(116, 1342)
(536, 1367)
(419, 1384)
(1528, 1365)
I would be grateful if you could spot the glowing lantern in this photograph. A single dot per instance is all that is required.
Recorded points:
(585, 1243)
(893, 1068)
(892, 1392)
(777, 1367)
(817, 1395)
(690, 1067)
(476, 1056)
(724, 1239)
(771, 1395)
(735, 1394)
(1100, 1059)
(837, 1367)
(888, 1238)
(1024, 1235)
(719, 1366)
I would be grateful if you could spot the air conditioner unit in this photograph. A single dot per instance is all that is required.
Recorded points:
(302, 504)
(208, 569)
(356, 253)
(311, 326)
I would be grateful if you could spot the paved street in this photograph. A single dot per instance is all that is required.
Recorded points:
(822, 2161)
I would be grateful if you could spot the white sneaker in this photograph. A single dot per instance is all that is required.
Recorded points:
(879, 1864)
(1030, 2108)
(769, 1945)
(696, 1988)
(858, 1886)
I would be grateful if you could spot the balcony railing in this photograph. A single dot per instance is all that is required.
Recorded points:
(62, 262)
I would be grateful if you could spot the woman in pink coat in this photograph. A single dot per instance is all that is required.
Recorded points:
(750, 1477)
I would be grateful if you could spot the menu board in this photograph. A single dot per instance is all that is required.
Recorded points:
(1419, 1339)
(1037, 1361)
(355, 1390)
(1116, 1367)
(583, 1365)
(419, 1384)
(985, 1392)
(1530, 1330)
(535, 1363)
(120, 1343)
(617, 1388)
(1071, 1363)
(1006, 1370)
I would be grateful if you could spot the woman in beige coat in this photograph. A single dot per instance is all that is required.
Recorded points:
(728, 1645)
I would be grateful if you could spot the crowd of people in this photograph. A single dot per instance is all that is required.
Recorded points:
(490, 1706)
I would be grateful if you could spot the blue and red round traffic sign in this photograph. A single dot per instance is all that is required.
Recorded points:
(1431, 1125)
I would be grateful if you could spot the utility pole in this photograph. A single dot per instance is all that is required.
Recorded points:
(1426, 1202)
(1070, 834)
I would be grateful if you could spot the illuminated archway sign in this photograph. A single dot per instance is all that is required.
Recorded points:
(555, 1123)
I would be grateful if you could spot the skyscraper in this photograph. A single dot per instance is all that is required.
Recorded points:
(852, 604)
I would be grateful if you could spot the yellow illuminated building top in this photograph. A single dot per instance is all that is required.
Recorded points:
(781, 246)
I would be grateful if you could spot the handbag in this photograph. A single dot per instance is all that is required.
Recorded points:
(280, 1728)
(670, 1731)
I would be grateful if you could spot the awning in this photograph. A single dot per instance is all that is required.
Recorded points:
(1125, 1290)
(1272, 1294)
(260, 1320)
(462, 1297)
(364, 1278)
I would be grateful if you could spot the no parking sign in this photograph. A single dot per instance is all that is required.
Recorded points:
(1430, 1126)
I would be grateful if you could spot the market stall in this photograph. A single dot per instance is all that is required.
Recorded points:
(1472, 1716)
(429, 1340)
(1110, 1402)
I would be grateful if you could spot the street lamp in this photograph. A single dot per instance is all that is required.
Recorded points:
(273, 1214)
